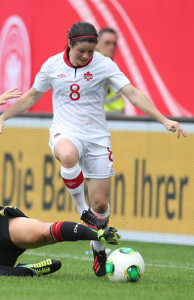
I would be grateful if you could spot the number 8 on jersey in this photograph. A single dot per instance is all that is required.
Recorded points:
(74, 95)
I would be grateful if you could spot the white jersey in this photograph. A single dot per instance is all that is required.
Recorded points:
(79, 94)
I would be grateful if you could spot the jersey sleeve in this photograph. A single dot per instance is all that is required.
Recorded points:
(116, 79)
(41, 83)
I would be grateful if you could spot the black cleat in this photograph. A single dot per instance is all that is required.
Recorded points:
(44, 267)
(99, 265)
(93, 220)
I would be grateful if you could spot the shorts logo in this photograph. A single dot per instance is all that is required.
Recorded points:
(57, 134)
(88, 76)
(15, 57)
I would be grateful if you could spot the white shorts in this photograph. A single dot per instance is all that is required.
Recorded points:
(95, 160)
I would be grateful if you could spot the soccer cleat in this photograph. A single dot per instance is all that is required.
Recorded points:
(99, 265)
(93, 220)
(44, 267)
(108, 235)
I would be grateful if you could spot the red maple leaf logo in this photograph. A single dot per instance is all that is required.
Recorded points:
(88, 76)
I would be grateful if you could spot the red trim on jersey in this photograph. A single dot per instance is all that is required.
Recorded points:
(56, 231)
(66, 60)
(74, 183)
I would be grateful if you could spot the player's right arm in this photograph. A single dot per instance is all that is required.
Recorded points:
(26, 101)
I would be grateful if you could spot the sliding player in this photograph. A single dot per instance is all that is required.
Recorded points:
(18, 233)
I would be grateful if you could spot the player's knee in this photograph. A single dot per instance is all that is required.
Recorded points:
(101, 205)
(68, 160)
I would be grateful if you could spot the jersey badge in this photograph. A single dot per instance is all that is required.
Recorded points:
(88, 76)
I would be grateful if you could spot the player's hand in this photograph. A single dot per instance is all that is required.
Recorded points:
(175, 127)
(9, 95)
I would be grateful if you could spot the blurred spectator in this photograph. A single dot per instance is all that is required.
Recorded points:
(107, 45)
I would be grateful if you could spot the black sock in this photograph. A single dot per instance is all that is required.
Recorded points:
(71, 231)
(15, 271)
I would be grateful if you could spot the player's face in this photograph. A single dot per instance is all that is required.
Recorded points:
(107, 44)
(81, 53)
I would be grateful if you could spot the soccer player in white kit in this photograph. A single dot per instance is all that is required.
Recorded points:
(79, 137)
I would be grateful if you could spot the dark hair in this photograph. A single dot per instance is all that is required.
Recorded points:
(82, 29)
(106, 30)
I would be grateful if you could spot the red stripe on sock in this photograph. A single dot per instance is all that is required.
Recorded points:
(56, 231)
(74, 183)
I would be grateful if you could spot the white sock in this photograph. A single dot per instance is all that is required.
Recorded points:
(98, 246)
(74, 181)
(105, 215)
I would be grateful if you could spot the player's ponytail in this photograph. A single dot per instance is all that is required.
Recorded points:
(83, 32)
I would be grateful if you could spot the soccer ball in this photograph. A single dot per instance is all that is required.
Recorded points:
(125, 265)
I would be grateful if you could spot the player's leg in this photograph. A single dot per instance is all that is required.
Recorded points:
(9, 252)
(30, 233)
(98, 190)
(98, 167)
(69, 151)
(68, 154)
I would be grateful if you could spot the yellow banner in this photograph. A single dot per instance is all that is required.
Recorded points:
(152, 191)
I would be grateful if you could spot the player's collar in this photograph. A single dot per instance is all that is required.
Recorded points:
(66, 60)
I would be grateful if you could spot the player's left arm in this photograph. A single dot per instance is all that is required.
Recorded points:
(9, 95)
(138, 99)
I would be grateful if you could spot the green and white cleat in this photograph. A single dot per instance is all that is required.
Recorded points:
(44, 267)
(108, 235)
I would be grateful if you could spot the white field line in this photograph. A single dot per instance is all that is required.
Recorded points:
(169, 266)
(90, 258)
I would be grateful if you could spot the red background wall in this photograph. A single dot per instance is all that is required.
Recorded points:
(155, 51)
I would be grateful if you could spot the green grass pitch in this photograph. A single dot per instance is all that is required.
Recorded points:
(169, 274)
